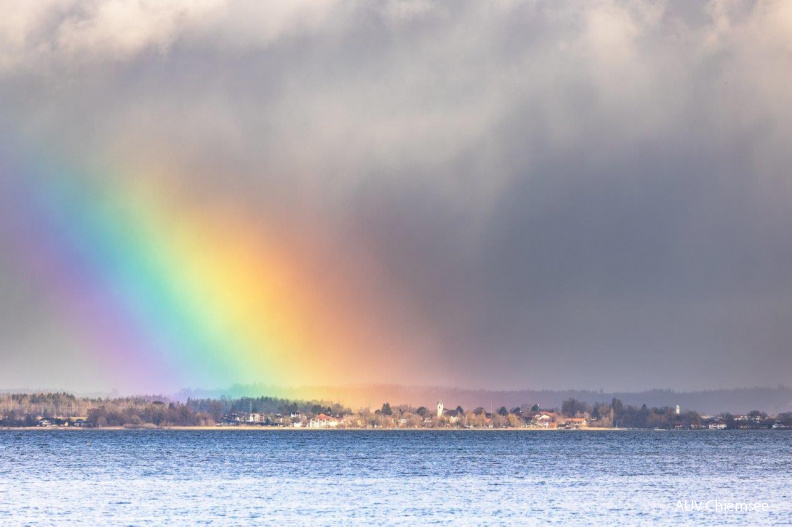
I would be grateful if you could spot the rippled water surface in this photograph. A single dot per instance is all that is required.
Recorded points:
(236, 477)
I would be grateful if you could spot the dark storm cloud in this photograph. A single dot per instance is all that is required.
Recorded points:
(588, 195)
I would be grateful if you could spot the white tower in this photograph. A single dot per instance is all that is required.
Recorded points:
(677, 409)
(439, 408)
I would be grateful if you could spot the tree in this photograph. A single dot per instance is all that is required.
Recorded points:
(785, 418)
(498, 420)
(503, 411)
(422, 411)
(535, 408)
(656, 420)
(459, 410)
(601, 411)
(386, 409)
(641, 418)
(413, 420)
(729, 420)
(572, 407)
(617, 411)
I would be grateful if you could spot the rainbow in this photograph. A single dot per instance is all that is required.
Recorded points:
(159, 285)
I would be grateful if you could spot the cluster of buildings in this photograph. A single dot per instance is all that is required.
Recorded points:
(47, 422)
(555, 420)
(533, 419)
(441, 417)
(292, 420)
(741, 422)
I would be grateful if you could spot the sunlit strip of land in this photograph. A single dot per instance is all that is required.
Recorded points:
(63, 410)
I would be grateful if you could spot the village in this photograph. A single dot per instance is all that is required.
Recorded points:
(518, 417)
(67, 411)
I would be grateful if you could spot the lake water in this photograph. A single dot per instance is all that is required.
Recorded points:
(234, 477)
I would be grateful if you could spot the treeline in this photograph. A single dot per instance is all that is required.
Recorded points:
(20, 410)
(24, 410)
(49, 404)
(221, 407)
(617, 414)
(156, 413)
(63, 409)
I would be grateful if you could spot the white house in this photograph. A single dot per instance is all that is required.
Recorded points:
(542, 420)
(323, 421)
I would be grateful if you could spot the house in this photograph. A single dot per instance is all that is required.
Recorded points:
(323, 421)
(576, 422)
(717, 426)
(230, 419)
(542, 420)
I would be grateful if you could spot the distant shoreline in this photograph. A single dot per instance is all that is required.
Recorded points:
(328, 429)
(65, 410)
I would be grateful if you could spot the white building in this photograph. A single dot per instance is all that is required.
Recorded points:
(439, 408)
(542, 420)
(323, 421)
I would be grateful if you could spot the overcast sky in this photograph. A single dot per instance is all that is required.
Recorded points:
(552, 194)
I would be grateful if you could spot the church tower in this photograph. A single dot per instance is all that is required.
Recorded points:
(439, 408)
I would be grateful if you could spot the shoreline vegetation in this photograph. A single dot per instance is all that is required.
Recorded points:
(252, 428)
(38, 411)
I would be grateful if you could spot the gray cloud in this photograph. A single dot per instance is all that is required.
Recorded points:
(553, 195)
